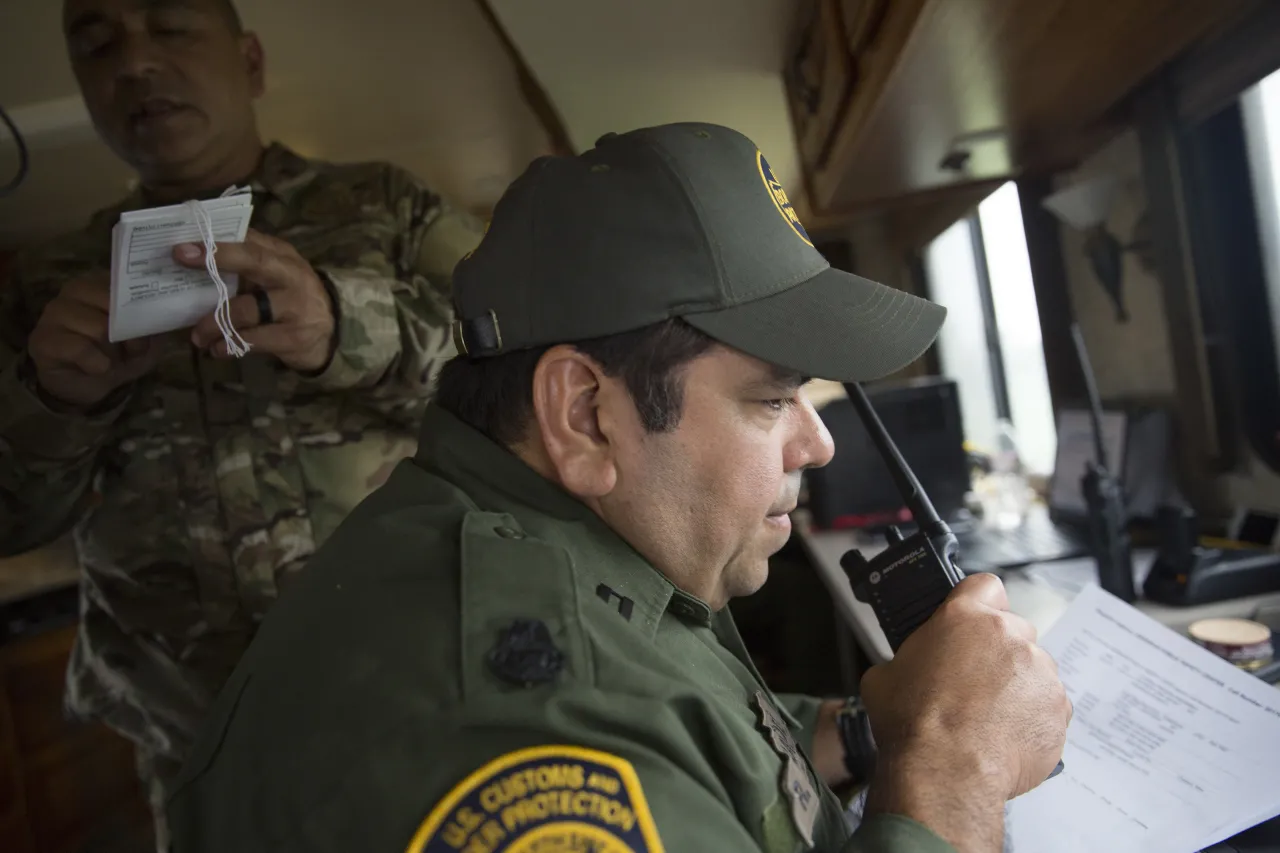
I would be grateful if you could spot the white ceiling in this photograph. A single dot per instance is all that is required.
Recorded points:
(425, 84)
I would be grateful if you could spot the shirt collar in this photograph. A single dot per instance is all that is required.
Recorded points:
(280, 172)
(492, 475)
(499, 481)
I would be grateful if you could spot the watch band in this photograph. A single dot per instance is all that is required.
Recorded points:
(859, 744)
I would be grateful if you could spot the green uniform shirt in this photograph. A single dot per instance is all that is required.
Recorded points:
(476, 662)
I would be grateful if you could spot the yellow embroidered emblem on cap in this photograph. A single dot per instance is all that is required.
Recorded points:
(780, 200)
(542, 799)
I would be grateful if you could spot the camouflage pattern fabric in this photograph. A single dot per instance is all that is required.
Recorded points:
(198, 491)
(157, 773)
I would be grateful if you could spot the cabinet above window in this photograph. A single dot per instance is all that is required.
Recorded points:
(893, 98)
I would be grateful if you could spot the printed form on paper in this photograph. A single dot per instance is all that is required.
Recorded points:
(1171, 749)
(151, 293)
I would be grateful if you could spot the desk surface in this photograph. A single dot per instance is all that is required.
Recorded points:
(1039, 593)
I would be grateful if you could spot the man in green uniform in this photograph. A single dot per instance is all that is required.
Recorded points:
(197, 483)
(520, 642)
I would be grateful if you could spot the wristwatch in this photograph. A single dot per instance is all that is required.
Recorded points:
(855, 736)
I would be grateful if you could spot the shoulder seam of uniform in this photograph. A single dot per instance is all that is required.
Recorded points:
(585, 632)
(579, 636)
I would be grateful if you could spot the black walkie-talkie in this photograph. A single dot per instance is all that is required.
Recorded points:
(1104, 497)
(907, 581)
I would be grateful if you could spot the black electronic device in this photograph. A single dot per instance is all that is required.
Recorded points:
(1255, 527)
(855, 489)
(907, 581)
(1186, 573)
(1108, 518)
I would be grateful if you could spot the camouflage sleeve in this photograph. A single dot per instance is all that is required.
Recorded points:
(393, 329)
(46, 456)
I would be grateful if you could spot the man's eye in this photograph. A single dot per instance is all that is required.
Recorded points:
(168, 30)
(780, 404)
(92, 42)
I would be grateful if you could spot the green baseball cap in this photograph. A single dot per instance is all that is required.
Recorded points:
(681, 220)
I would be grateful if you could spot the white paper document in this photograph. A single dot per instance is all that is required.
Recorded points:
(1171, 749)
(152, 293)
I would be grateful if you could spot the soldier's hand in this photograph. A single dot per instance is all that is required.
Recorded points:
(74, 361)
(301, 314)
(971, 692)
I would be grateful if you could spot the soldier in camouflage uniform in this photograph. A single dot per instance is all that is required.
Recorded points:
(196, 483)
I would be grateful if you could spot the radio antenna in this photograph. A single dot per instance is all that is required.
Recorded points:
(1091, 388)
(926, 517)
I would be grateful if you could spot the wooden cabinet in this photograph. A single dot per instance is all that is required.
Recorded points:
(65, 787)
(818, 80)
(892, 99)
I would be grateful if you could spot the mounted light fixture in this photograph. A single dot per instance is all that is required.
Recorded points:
(979, 154)
(1085, 207)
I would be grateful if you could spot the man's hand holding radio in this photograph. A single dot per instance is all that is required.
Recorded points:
(969, 714)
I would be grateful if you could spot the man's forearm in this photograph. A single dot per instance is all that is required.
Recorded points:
(955, 802)
(390, 336)
(393, 320)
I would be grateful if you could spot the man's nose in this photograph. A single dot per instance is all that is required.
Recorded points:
(811, 445)
(139, 56)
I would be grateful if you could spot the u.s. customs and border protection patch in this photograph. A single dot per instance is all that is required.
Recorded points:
(546, 799)
(779, 196)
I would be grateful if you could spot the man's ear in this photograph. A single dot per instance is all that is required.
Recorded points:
(255, 63)
(565, 388)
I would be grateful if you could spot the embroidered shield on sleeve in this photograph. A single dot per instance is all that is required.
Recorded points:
(547, 799)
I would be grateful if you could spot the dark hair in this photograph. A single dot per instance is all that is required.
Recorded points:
(495, 395)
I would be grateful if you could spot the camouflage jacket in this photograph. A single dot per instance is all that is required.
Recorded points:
(206, 483)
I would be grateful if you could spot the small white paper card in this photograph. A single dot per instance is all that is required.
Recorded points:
(151, 293)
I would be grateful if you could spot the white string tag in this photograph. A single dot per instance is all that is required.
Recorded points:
(236, 345)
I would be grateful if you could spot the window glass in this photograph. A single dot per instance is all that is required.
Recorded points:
(1260, 108)
(952, 272)
(991, 339)
(1013, 297)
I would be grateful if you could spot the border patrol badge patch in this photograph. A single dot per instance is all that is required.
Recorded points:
(547, 799)
(779, 196)
(796, 783)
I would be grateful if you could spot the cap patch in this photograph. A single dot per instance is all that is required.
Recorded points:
(543, 799)
(780, 200)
